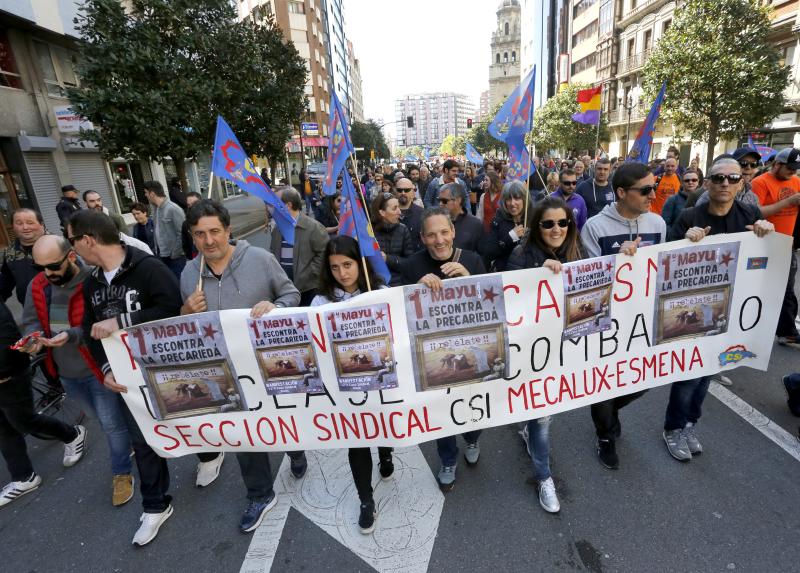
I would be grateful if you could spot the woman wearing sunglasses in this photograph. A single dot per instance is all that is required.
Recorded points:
(553, 240)
(392, 236)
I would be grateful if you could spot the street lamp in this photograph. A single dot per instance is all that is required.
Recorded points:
(629, 103)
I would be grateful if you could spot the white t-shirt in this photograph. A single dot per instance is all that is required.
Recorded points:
(111, 274)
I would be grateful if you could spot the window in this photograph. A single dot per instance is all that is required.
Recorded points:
(584, 34)
(631, 47)
(582, 6)
(8, 67)
(58, 68)
(497, 59)
(583, 64)
(505, 57)
(297, 8)
(506, 27)
(665, 26)
(513, 56)
(648, 40)
(606, 17)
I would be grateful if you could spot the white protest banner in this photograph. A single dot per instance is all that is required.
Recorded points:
(405, 365)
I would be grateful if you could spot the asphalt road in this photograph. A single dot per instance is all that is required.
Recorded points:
(732, 509)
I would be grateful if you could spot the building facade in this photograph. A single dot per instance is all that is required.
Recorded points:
(336, 45)
(543, 37)
(505, 52)
(356, 89)
(434, 117)
(483, 106)
(583, 31)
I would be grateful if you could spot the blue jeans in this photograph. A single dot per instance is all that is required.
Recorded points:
(539, 447)
(106, 406)
(448, 449)
(175, 265)
(685, 402)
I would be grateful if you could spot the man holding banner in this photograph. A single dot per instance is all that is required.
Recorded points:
(236, 276)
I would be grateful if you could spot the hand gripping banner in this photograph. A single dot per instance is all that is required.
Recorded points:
(406, 365)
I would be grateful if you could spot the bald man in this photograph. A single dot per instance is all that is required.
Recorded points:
(54, 307)
(410, 210)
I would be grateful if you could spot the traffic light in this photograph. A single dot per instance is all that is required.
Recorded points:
(469, 123)
(410, 121)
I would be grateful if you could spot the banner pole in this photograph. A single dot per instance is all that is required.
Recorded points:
(366, 214)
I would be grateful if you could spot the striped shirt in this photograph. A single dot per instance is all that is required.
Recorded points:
(287, 259)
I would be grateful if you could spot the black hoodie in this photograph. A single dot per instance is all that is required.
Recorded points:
(143, 289)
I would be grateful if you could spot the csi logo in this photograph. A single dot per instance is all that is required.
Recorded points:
(734, 354)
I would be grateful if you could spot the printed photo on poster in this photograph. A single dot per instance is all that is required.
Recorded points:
(587, 296)
(362, 342)
(459, 334)
(694, 290)
(285, 352)
(185, 364)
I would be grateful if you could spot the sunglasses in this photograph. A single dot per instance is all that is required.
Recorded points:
(550, 223)
(75, 238)
(643, 191)
(404, 190)
(51, 266)
(751, 164)
(569, 183)
(719, 178)
(691, 180)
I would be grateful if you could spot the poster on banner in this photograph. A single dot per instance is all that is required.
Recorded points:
(406, 365)
(587, 296)
(458, 333)
(362, 343)
(285, 353)
(186, 366)
(694, 291)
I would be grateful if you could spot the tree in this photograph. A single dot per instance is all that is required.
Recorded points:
(723, 75)
(554, 128)
(481, 139)
(369, 136)
(453, 145)
(154, 77)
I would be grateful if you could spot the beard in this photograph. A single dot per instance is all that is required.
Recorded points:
(61, 280)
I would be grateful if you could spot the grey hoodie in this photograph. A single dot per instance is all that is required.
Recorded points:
(252, 275)
(604, 233)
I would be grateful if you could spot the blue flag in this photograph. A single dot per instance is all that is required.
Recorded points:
(473, 155)
(427, 153)
(515, 118)
(231, 162)
(644, 139)
(519, 161)
(339, 145)
(353, 222)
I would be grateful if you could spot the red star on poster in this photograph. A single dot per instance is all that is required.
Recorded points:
(379, 315)
(209, 331)
(609, 267)
(300, 324)
(489, 294)
(726, 259)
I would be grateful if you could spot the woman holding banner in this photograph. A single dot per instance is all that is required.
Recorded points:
(342, 277)
(553, 240)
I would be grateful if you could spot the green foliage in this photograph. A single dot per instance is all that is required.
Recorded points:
(369, 136)
(413, 151)
(480, 138)
(154, 77)
(453, 145)
(554, 128)
(723, 75)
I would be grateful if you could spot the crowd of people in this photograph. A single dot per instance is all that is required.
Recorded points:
(432, 222)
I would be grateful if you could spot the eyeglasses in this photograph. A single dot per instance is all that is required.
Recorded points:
(569, 183)
(691, 180)
(404, 189)
(750, 164)
(550, 223)
(444, 200)
(719, 178)
(51, 266)
(643, 191)
(75, 238)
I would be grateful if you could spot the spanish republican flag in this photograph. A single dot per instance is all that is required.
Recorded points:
(589, 102)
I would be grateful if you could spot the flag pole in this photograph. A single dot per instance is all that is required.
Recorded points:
(366, 215)
(211, 178)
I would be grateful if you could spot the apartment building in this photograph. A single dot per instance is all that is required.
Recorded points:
(434, 117)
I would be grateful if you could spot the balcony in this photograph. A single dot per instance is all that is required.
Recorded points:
(642, 8)
(620, 115)
(633, 63)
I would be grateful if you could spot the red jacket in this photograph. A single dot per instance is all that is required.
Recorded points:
(40, 291)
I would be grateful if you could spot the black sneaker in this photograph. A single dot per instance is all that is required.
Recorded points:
(607, 452)
(366, 519)
(299, 466)
(386, 467)
(793, 395)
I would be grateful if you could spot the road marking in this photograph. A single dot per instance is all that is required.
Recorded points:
(409, 509)
(759, 421)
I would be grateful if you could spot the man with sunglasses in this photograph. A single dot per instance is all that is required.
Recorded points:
(469, 229)
(778, 191)
(749, 160)
(410, 212)
(722, 214)
(622, 227)
(54, 306)
(568, 183)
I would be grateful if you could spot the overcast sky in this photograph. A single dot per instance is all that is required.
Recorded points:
(414, 46)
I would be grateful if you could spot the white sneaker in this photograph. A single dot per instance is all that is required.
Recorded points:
(17, 489)
(207, 472)
(73, 451)
(547, 496)
(151, 523)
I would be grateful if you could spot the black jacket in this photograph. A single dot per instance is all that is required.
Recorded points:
(412, 218)
(146, 234)
(469, 232)
(529, 256)
(395, 242)
(12, 362)
(421, 263)
(16, 271)
(143, 289)
(497, 247)
(65, 208)
(735, 221)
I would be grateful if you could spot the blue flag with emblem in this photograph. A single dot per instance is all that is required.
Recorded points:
(644, 139)
(232, 163)
(353, 223)
(473, 155)
(515, 118)
(339, 145)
